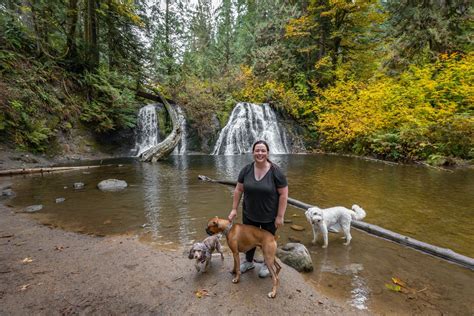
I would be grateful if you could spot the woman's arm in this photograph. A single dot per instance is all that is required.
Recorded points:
(239, 189)
(282, 203)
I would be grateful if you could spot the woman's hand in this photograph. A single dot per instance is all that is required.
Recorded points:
(279, 221)
(232, 215)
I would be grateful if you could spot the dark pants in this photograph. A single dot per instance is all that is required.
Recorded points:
(270, 227)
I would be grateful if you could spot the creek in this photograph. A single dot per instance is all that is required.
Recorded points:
(168, 207)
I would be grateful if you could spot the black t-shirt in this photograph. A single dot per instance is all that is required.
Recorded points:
(261, 197)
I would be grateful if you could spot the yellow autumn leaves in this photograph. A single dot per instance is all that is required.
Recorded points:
(423, 112)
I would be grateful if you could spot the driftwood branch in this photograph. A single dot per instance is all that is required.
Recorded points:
(439, 252)
(12, 172)
(164, 148)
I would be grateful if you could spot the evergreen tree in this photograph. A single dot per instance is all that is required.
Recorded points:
(423, 29)
(225, 34)
(199, 57)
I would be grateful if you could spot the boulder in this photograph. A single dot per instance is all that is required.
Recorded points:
(112, 185)
(296, 256)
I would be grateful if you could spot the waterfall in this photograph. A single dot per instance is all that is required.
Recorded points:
(180, 149)
(247, 124)
(147, 129)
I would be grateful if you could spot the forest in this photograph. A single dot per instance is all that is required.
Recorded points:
(391, 79)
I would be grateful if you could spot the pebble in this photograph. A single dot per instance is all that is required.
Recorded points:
(78, 185)
(294, 239)
(297, 227)
(33, 208)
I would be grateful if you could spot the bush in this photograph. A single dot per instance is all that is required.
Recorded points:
(426, 111)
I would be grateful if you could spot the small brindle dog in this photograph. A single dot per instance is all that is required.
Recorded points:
(202, 252)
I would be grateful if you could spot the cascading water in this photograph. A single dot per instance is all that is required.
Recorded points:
(180, 149)
(147, 129)
(247, 124)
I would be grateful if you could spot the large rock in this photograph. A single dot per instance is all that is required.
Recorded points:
(112, 185)
(296, 256)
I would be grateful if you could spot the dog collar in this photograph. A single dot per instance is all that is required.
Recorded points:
(227, 229)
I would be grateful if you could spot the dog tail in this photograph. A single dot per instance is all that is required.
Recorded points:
(358, 213)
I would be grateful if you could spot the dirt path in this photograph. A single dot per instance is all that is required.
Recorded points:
(72, 273)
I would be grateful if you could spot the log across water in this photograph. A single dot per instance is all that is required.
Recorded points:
(439, 252)
(12, 172)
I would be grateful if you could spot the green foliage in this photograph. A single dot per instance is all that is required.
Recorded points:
(391, 79)
(424, 29)
(45, 47)
(32, 101)
(338, 33)
(112, 105)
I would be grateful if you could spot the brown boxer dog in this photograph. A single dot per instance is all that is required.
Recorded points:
(241, 238)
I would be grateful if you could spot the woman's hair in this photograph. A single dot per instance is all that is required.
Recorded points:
(260, 142)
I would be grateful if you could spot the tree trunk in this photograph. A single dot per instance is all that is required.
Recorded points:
(12, 172)
(111, 36)
(90, 35)
(72, 17)
(37, 26)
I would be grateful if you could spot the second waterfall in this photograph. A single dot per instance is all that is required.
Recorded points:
(247, 124)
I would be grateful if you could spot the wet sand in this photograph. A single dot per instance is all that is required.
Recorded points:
(72, 273)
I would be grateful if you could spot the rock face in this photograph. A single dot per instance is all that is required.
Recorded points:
(112, 185)
(296, 256)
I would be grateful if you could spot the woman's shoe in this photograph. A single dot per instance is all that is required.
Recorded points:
(264, 272)
(246, 266)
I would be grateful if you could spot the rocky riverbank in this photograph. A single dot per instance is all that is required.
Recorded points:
(14, 159)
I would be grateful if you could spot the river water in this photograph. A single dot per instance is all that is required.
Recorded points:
(168, 206)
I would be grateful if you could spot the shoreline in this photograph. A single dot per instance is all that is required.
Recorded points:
(47, 270)
(11, 159)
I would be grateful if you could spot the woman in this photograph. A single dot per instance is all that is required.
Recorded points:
(265, 198)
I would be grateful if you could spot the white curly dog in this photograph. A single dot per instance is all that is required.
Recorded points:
(333, 219)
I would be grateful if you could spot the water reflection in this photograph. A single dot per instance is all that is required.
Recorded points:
(360, 292)
(151, 197)
(228, 167)
(341, 264)
(166, 201)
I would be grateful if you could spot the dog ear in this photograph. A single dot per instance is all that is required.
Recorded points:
(191, 254)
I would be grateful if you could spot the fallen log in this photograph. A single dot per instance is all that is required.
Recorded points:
(436, 251)
(12, 172)
(163, 149)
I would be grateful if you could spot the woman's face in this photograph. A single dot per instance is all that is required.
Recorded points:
(260, 153)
